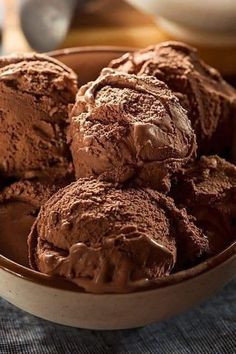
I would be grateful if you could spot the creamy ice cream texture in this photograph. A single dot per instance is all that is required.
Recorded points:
(127, 127)
(209, 100)
(207, 189)
(19, 205)
(108, 239)
(35, 91)
(128, 131)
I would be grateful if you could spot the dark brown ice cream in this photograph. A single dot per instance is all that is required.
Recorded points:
(207, 188)
(107, 239)
(19, 206)
(128, 127)
(35, 91)
(209, 100)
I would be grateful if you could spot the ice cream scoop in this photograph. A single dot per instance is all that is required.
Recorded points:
(35, 91)
(209, 100)
(19, 206)
(207, 189)
(46, 23)
(108, 239)
(129, 127)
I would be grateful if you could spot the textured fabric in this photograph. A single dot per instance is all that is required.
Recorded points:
(208, 329)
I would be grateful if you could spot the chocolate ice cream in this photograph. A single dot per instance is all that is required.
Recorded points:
(124, 126)
(207, 188)
(19, 206)
(209, 100)
(107, 239)
(35, 91)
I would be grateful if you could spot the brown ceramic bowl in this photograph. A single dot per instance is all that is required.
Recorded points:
(62, 302)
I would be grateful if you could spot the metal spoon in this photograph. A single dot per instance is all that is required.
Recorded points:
(45, 23)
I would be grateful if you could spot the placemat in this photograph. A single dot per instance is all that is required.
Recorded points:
(208, 329)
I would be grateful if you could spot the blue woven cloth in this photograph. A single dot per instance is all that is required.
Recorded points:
(209, 328)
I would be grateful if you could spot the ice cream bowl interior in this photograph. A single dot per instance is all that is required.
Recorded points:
(65, 303)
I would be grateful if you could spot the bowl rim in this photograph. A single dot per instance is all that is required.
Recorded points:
(33, 276)
(90, 49)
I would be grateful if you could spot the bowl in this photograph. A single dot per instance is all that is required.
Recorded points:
(63, 302)
(209, 22)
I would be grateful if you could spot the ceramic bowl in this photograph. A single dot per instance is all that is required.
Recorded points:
(62, 302)
(209, 22)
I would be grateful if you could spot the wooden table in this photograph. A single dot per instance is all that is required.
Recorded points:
(114, 23)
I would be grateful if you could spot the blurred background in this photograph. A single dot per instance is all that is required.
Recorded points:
(45, 25)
